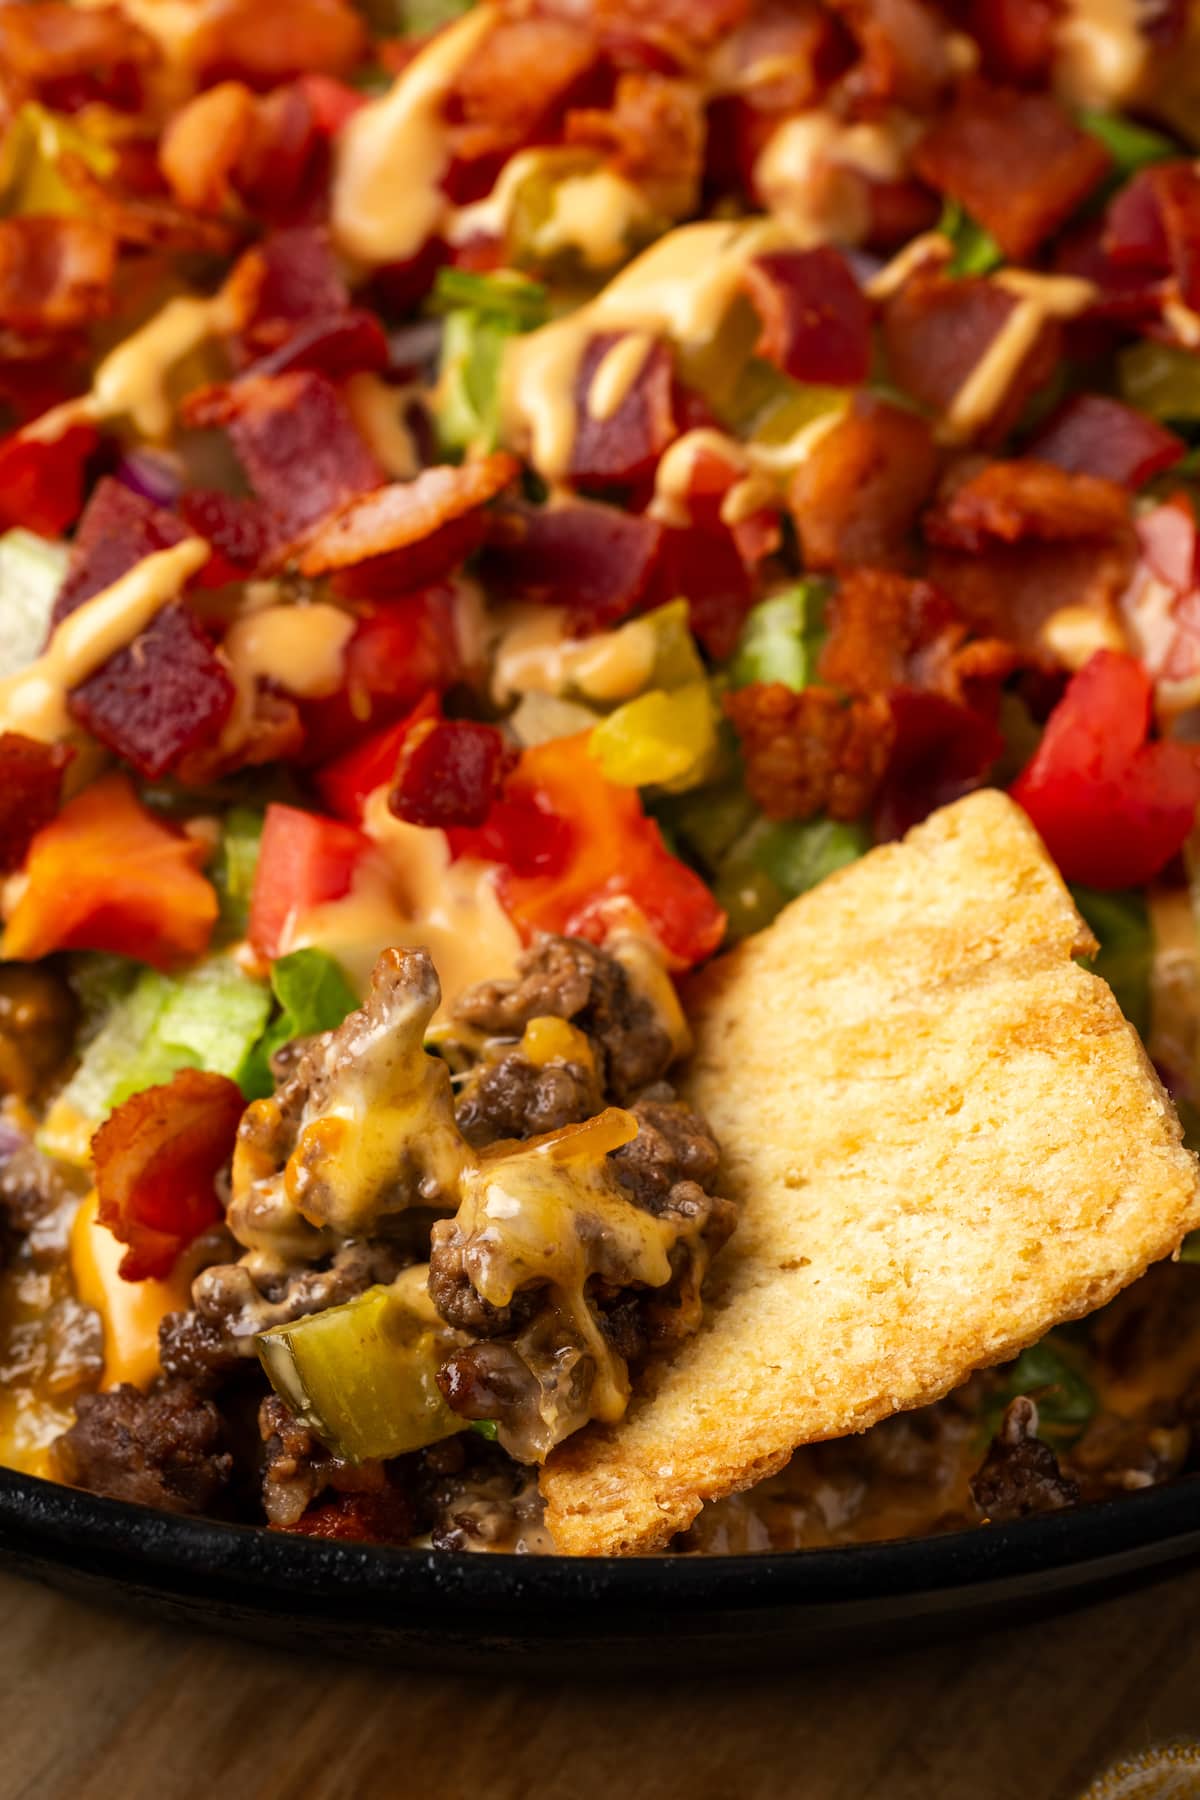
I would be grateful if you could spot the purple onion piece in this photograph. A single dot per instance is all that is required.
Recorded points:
(154, 474)
(11, 1140)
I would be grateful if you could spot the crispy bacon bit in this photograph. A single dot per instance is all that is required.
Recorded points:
(165, 694)
(886, 632)
(117, 531)
(783, 56)
(336, 345)
(1176, 187)
(383, 1518)
(816, 323)
(30, 783)
(626, 444)
(1012, 502)
(1013, 592)
(1134, 234)
(298, 445)
(905, 55)
(1016, 161)
(265, 42)
(941, 750)
(1091, 434)
(230, 150)
(653, 134)
(936, 331)
(1016, 38)
(705, 566)
(41, 481)
(69, 55)
(811, 752)
(410, 533)
(150, 221)
(203, 144)
(156, 1159)
(512, 91)
(289, 280)
(592, 560)
(449, 773)
(856, 496)
(55, 273)
(234, 527)
(106, 874)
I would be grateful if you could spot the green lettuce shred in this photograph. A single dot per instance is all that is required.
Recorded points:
(312, 994)
(975, 250)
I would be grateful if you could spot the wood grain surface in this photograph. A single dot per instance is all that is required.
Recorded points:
(96, 1706)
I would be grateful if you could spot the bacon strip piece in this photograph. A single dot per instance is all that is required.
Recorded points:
(55, 273)
(288, 280)
(1092, 434)
(653, 134)
(410, 533)
(856, 496)
(1012, 502)
(156, 1160)
(118, 530)
(30, 784)
(298, 445)
(625, 445)
(68, 55)
(811, 752)
(594, 561)
(816, 322)
(1016, 161)
(265, 42)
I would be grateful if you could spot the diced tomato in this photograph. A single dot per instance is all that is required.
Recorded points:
(41, 484)
(346, 783)
(615, 855)
(304, 861)
(1112, 807)
(156, 1159)
(401, 650)
(106, 874)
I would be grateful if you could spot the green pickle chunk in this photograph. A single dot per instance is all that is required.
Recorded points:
(362, 1376)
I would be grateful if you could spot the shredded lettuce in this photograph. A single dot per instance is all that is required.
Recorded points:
(975, 250)
(208, 1020)
(1132, 147)
(1122, 925)
(782, 637)
(31, 573)
(313, 994)
(799, 855)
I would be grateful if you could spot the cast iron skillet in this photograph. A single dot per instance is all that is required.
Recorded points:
(512, 1613)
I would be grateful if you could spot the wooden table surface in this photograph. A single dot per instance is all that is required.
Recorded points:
(96, 1706)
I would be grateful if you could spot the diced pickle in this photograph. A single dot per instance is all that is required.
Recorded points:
(362, 1376)
(1161, 379)
(661, 739)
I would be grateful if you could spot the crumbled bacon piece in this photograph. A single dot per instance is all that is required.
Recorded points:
(783, 56)
(449, 773)
(1012, 502)
(512, 91)
(905, 55)
(55, 273)
(937, 330)
(289, 280)
(30, 784)
(163, 695)
(887, 632)
(265, 42)
(625, 444)
(298, 445)
(235, 528)
(593, 560)
(410, 533)
(1176, 188)
(337, 345)
(230, 150)
(653, 134)
(1016, 161)
(942, 748)
(816, 322)
(118, 530)
(1016, 38)
(705, 565)
(69, 55)
(1092, 434)
(856, 496)
(811, 752)
(150, 221)
(384, 1518)
(156, 1161)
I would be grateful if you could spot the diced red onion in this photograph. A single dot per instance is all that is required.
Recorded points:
(154, 474)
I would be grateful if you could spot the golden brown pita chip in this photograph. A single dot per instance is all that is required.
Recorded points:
(944, 1139)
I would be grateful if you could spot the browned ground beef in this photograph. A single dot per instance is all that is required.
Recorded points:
(451, 1291)
(514, 1098)
(673, 1145)
(164, 1448)
(30, 1187)
(298, 1467)
(1021, 1474)
(566, 978)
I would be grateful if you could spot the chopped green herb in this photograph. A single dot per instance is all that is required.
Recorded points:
(1065, 1399)
(487, 1428)
(313, 995)
(233, 870)
(976, 251)
(1121, 922)
(482, 313)
(1132, 147)
(504, 295)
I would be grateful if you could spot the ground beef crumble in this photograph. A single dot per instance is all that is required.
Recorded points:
(163, 1448)
(1021, 1474)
